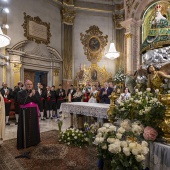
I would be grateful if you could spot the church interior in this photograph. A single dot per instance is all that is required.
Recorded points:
(85, 84)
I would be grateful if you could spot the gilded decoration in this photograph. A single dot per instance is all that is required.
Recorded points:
(94, 43)
(118, 18)
(166, 124)
(56, 72)
(129, 35)
(93, 74)
(16, 67)
(156, 29)
(68, 16)
(36, 30)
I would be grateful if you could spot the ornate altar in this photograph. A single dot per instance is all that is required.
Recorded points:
(93, 74)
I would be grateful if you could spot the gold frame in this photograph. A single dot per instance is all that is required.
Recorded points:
(38, 40)
(93, 32)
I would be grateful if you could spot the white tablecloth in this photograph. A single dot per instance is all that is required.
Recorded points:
(158, 157)
(88, 109)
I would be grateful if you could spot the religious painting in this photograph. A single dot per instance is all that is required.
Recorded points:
(94, 75)
(94, 44)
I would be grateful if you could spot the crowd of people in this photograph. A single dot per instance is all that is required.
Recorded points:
(51, 98)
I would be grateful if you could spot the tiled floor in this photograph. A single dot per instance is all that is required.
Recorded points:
(47, 125)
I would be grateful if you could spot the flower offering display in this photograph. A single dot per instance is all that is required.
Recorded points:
(122, 146)
(73, 137)
(91, 131)
(144, 107)
(119, 76)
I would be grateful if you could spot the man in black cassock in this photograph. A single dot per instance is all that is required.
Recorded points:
(28, 133)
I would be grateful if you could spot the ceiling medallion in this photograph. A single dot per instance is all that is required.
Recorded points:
(94, 43)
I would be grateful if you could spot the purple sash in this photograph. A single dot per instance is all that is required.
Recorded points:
(32, 104)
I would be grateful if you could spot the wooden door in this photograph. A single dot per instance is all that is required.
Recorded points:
(29, 74)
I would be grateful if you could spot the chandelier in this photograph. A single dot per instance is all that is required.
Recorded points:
(4, 39)
(112, 54)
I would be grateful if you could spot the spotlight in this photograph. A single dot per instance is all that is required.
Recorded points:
(6, 10)
(5, 26)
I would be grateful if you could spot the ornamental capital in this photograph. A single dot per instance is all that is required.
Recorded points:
(68, 15)
(16, 67)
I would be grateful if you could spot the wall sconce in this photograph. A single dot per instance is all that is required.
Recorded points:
(4, 57)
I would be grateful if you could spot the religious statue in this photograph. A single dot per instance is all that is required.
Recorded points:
(158, 35)
(156, 78)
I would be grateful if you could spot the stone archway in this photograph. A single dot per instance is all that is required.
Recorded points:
(30, 55)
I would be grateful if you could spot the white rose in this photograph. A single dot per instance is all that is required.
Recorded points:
(112, 128)
(121, 104)
(139, 158)
(114, 148)
(146, 98)
(135, 151)
(73, 134)
(144, 144)
(122, 109)
(123, 144)
(148, 89)
(102, 129)
(99, 135)
(145, 150)
(119, 135)
(136, 90)
(68, 143)
(104, 147)
(132, 145)
(121, 130)
(157, 91)
(139, 147)
(125, 124)
(140, 93)
(126, 151)
(99, 140)
(107, 125)
(75, 137)
(131, 99)
(111, 140)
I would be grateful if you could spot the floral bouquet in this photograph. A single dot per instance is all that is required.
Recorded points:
(119, 76)
(91, 131)
(143, 106)
(73, 137)
(122, 147)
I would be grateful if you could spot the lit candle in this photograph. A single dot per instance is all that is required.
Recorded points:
(69, 97)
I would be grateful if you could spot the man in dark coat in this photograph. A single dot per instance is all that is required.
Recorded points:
(16, 90)
(105, 93)
(28, 133)
(60, 94)
(7, 95)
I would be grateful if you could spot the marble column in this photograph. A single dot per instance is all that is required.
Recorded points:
(130, 45)
(68, 15)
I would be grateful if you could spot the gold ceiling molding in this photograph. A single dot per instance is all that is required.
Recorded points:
(36, 30)
(94, 43)
(68, 16)
(93, 74)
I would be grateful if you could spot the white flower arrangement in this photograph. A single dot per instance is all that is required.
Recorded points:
(73, 137)
(122, 144)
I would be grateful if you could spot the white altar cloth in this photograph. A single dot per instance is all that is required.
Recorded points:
(88, 109)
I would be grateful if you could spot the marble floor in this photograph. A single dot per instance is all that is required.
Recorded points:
(46, 125)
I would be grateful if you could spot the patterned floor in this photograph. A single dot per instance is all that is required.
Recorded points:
(48, 155)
